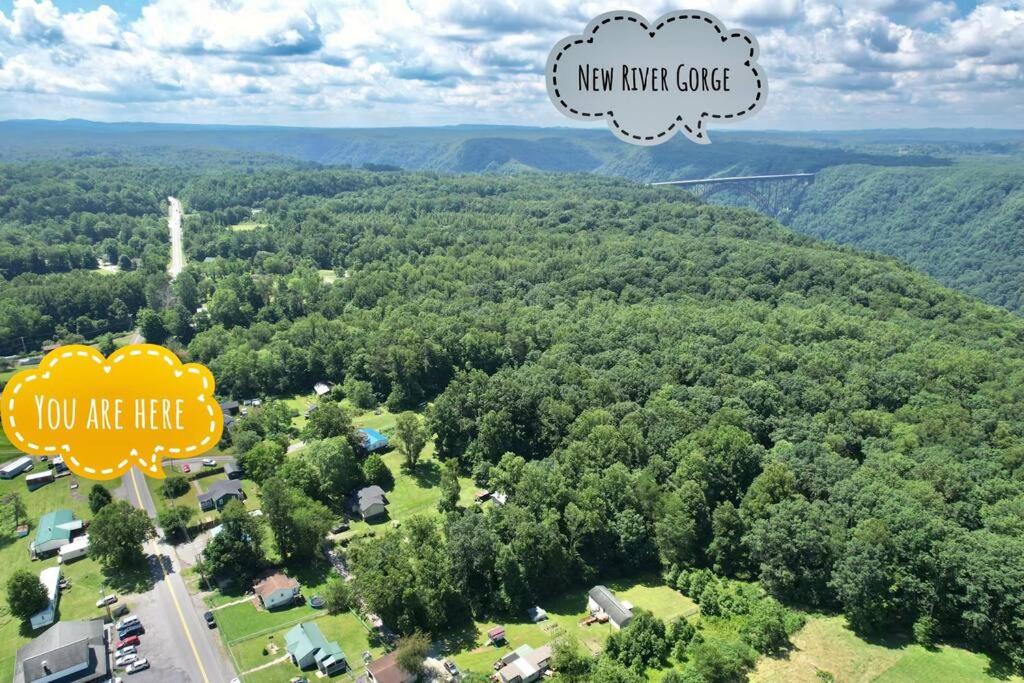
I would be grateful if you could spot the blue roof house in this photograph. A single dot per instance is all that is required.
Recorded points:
(372, 440)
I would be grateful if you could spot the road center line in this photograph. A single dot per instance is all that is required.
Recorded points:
(174, 598)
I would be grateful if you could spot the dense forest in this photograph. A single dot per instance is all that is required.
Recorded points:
(657, 384)
(962, 224)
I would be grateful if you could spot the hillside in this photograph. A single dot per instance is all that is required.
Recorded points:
(962, 224)
(656, 384)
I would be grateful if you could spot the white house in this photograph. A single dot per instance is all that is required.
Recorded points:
(602, 602)
(50, 577)
(276, 590)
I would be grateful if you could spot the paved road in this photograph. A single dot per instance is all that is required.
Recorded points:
(177, 642)
(177, 263)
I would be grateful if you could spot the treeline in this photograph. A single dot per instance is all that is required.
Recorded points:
(654, 383)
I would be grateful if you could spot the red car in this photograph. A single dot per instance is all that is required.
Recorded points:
(185, 468)
(130, 640)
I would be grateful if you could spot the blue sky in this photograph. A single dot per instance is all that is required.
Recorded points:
(845, 64)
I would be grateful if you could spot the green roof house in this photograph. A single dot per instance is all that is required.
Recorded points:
(54, 532)
(308, 647)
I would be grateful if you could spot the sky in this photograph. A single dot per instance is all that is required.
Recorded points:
(831, 64)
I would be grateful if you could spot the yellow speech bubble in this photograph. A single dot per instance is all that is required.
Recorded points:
(105, 415)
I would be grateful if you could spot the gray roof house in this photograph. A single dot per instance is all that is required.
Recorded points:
(68, 651)
(601, 601)
(369, 502)
(219, 493)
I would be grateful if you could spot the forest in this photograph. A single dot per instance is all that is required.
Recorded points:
(657, 385)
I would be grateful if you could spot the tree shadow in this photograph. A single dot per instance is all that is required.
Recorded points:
(136, 578)
(309, 572)
(461, 638)
(1000, 668)
(427, 473)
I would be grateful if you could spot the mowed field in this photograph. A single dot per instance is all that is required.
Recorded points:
(826, 644)
(86, 576)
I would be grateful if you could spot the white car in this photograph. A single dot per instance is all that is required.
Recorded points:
(127, 621)
(106, 600)
(125, 660)
(127, 650)
(137, 666)
(209, 462)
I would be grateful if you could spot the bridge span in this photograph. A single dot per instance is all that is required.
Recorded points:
(770, 194)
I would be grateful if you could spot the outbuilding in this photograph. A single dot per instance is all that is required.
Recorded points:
(602, 602)
(15, 467)
(37, 479)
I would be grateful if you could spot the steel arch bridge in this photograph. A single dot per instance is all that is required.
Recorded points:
(769, 193)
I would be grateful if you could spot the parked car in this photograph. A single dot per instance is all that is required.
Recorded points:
(210, 620)
(209, 462)
(130, 650)
(125, 660)
(128, 641)
(450, 667)
(138, 665)
(106, 600)
(186, 468)
(339, 527)
(130, 630)
(127, 621)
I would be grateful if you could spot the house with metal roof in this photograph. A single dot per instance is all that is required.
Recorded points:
(525, 664)
(50, 578)
(69, 652)
(54, 532)
(219, 493)
(308, 647)
(372, 440)
(602, 602)
(15, 467)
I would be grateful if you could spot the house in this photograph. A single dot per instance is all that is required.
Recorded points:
(229, 408)
(496, 635)
(50, 578)
(369, 502)
(219, 493)
(69, 652)
(387, 670)
(74, 550)
(525, 664)
(54, 531)
(372, 440)
(37, 479)
(232, 469)
(308, 647)
(275, 590)
(322, 388)
(602, 602)
(15, 467)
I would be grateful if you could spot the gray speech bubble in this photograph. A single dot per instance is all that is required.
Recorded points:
(651, 80)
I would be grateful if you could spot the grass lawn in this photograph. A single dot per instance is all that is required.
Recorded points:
(328, 275)
(86, 575)
(246, 226)
(472, 652)
(826, 643)
(346, 629)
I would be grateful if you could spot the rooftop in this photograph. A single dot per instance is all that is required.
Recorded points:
(75, 648)
(274, 582)
(54, 525)
(306, 638)
(610, 604)
(221, 488)
(387, 670)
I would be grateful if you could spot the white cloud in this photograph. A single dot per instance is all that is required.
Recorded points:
(386, 62)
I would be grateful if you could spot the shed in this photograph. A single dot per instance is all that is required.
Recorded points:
(308, 647)
(15, 467)
(322, 387)
(37, 479)
(372, 440)
(275, 590)
(496, 635)
(601, 601)
(72, 551)
(229, 407)
(232, 469)
(50, 578)
(54, 531)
